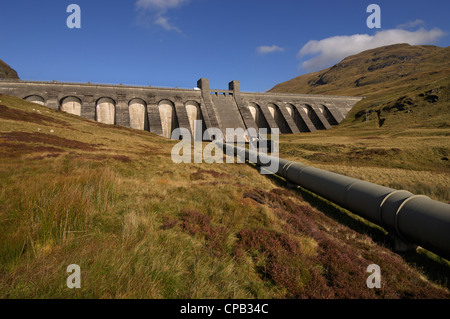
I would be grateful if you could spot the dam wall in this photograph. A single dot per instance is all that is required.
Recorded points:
(161, 110)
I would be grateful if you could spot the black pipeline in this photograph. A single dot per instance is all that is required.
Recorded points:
(415, 219)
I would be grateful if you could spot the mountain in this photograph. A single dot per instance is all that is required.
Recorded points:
(400, 83)
(6, 72)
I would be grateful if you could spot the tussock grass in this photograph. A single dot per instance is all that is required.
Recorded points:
(140, 226)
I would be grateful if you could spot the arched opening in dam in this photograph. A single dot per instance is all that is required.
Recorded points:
(298, 120)
(106, 111)
(313, 117)
(168, 117)
(327, 114)
(194, 114)
(278, 117)
(258, 116)
(138, 114)
(72, 105)
(35, 99)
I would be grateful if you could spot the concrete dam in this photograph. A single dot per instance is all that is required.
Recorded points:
(161, 110)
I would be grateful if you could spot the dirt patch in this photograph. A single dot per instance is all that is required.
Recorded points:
(18, 115)
(47, 139)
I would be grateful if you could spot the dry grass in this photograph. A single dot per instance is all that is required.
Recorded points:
(412, 159)
(140, 226)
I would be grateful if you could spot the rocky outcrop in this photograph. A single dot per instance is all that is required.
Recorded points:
(6, 72)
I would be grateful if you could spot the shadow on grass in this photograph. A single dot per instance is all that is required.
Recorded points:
(436, 268)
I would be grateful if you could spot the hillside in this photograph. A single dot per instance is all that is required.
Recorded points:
(6, 72)
(402, 85)
(110, 200)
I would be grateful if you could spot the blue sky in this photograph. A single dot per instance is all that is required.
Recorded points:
(173, 43)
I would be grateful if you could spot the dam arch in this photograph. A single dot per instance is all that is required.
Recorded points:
(194, 114)
(328, 115)
(298, 120)
(313, 117)
(71, 105)
(168, 116)
(35, 99)
(138, 114)
(258, 115)
(275, 111)
(105, 111)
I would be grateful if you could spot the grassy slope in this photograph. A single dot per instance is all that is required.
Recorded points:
(407, 85)
(110, 200)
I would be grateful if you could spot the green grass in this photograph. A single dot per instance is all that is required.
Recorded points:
(110, 200)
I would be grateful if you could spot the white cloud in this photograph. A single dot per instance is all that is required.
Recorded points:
(264, 49)
(411, 24)
(159, 5)
(164, 23)
(158, 9)
(332, 50)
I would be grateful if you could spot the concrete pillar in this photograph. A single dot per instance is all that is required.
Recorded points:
(208, 110)
(154, 119)
(52, 102)
(88, 108)
(203, 84)
(235, 86)
(247, 118)
(122, 114)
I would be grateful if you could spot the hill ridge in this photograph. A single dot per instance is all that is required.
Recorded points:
(395, 78)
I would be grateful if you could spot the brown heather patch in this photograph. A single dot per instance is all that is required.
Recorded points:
(18, 115)
(371, 138)
(13, 150)
(200, 174)
(198, 224)
(256, 196)
(98, 157)
(37, 158)
(337, 269)
(169, 223)
(278, 258)
(47, 139)
(370, 152)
